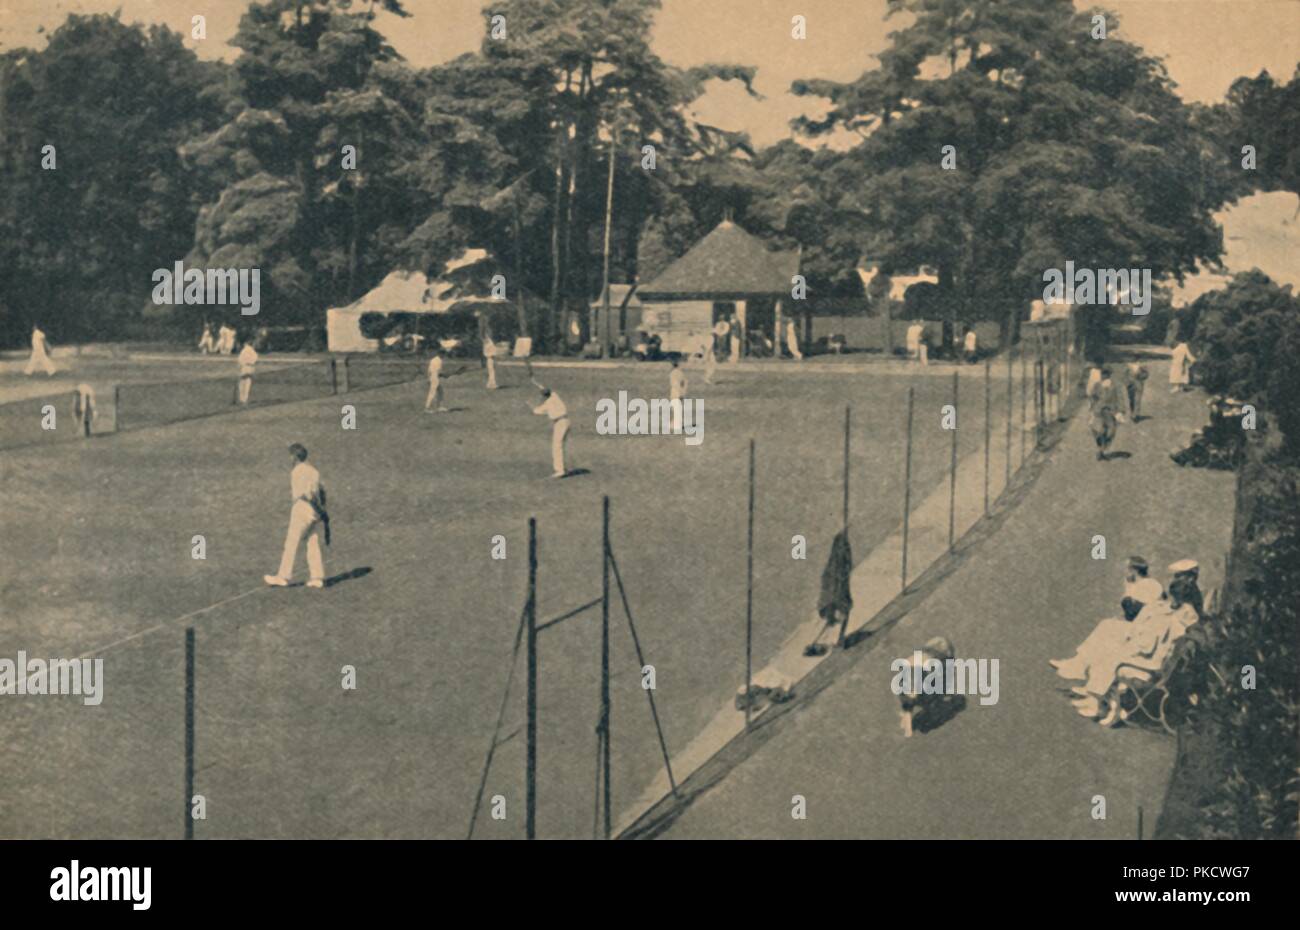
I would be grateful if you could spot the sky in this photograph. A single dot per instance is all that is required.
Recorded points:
(1206, 44)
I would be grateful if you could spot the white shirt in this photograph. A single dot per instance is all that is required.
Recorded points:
(1144, 590)
(553, 407)
(435, 367)
(489, 349)
(970, 341)
(304, 482)
(38, 340)
(247, 359)
(914, 335)
(676, 384)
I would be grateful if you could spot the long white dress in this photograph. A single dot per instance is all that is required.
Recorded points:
(1180, 365)
(40, 358)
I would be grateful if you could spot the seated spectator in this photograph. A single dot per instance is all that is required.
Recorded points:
(1221, 443)
(1139, 588)
(917, 349)
(1144, 642)
(925, 712)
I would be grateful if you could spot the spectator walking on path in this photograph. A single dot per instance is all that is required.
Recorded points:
(1180, 368)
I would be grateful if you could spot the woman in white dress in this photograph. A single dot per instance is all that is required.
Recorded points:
(40, 358)
(1180, 368)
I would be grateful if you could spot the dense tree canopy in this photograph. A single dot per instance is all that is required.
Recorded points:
(322, 158)
(1063, 147)
(84, 222)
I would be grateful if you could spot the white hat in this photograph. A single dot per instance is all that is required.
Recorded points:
(1184, 565)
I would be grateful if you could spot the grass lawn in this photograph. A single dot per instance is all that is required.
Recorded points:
(97, 537)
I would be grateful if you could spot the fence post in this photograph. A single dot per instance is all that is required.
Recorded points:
(189, 732)
(907, 483)
(1040, 401)
(334, 376)
(1024, 403)
(1010, 401)
(117, 408)
(605, 708)
(988, 427)
(530, 611)
(952, 468)
(749, 594)
(847, 414)
(347, 375)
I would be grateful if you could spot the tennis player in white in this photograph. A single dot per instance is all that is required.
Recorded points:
(554, 408)
(247, 362)
(435, 384)
(307, 518)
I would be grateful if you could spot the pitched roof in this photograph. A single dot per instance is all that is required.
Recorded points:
(464, 278)
(728, 262)
(620, 295)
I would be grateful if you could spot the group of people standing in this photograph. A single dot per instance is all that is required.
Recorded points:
(222, 344)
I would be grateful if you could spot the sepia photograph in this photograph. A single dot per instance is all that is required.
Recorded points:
(726, 420)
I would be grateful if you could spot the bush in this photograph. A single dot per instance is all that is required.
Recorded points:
(1256, 732)
(1247, 344)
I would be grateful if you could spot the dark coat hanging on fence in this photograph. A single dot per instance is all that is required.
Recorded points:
(836, 601)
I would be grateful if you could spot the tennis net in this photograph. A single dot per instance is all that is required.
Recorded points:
(150, 404)
(38, 420)
(368, 372)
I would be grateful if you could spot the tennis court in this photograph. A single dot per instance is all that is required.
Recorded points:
(99, 538)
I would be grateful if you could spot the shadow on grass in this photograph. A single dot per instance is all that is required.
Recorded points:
(348, 576)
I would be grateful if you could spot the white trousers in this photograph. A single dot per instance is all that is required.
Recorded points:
(435, 393)
(303, 522)
(492, 374)
(39, 358)
(675, 406)
(559, 435)
(245, 387)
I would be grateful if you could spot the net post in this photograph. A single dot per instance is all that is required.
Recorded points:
(334, 376)
(117, 408)
(530, 610)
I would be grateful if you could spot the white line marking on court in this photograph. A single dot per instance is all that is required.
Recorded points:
(154, 629)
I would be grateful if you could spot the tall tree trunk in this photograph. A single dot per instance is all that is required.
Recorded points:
(520, 308)
(545, 330)
(948, 294)
(605, 327)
